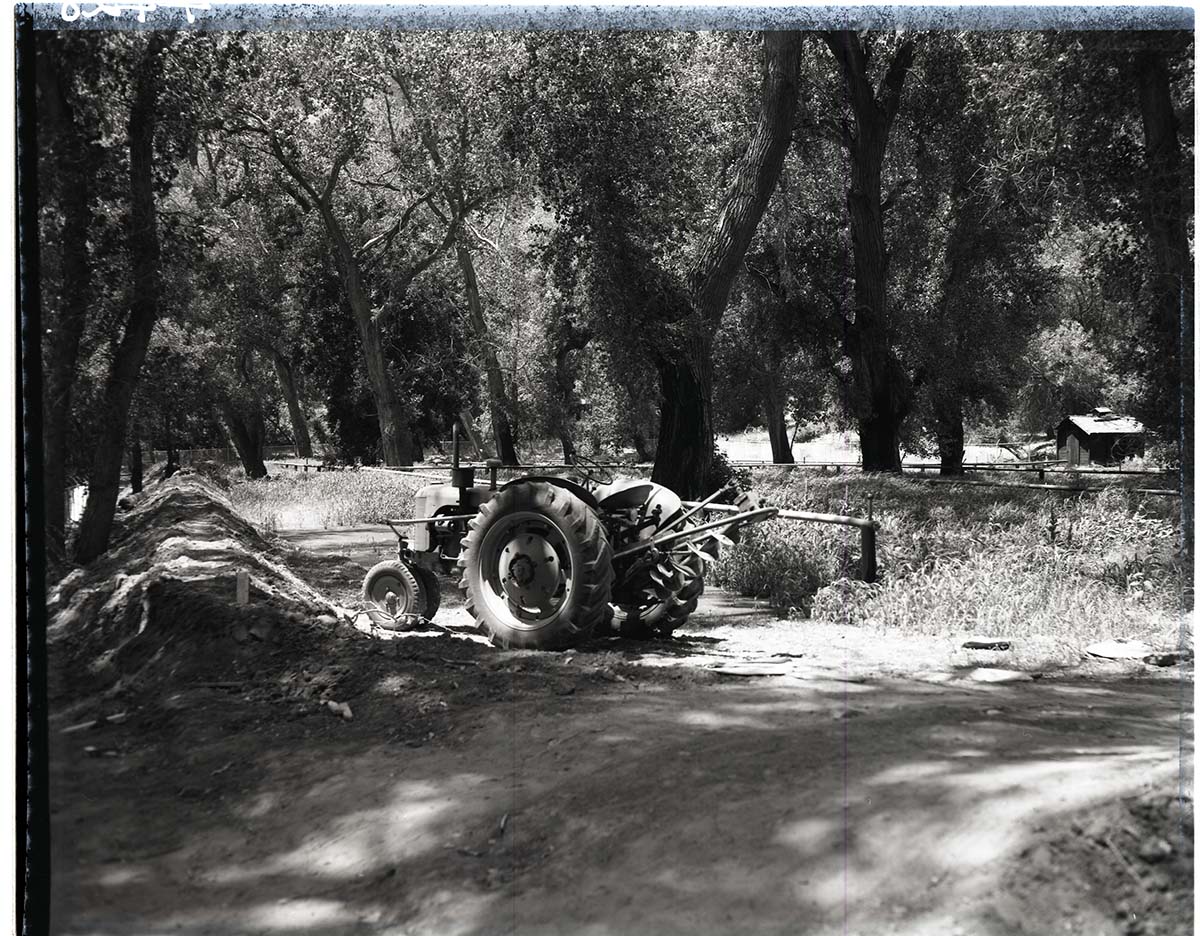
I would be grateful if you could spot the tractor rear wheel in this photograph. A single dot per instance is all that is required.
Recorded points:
(536, 568)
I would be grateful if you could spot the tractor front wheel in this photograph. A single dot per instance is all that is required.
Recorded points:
(397, 578)
(536, 568)
(433, 592)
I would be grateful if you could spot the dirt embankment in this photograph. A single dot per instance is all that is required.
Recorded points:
(161, 604)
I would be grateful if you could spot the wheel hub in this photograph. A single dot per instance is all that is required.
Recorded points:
(522, 570)
(529, 571)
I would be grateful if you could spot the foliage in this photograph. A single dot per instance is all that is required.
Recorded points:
(971, 560)
(1067, 374)
(317, 190)
(1126, 148)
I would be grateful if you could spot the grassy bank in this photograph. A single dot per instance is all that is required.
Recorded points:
(1002, 562)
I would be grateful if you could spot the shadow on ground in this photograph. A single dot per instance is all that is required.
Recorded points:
(816, 806)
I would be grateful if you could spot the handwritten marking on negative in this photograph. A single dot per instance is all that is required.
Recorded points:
(76, 11)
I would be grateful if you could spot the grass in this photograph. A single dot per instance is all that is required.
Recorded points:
(323, 499)
(990, 561)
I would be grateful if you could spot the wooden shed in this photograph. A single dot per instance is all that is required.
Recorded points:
(1100, 438)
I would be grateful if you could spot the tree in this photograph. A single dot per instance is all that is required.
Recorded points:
(1125, 139)
(1067, 374)
(685, 437)
(457, 93)
(569, 338)
(304, 107)
(250, 277)
(143, 240)
(881, 388)
(764, 373)
(1121, 160)
(244, 412)
(68, 149)
(633, 239)
(174, 401)
(1166, 212)
(973, 277)
(953, 249)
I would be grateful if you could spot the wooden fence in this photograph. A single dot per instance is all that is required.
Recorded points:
(228, 455)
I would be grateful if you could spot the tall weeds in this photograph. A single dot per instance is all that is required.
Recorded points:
(320, 500)
(988, 560)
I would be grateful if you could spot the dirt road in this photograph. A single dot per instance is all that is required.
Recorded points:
(631, 791)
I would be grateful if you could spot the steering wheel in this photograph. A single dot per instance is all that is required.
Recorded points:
(591, 472)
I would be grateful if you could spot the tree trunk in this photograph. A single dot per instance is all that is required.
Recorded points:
(287, 384)
(105, 475)
(135, 465)
(949, 425)
(1165, 210)
(781, 446)
(879, 442)
(570, 339)
(499, 402)
(685, 432)
(468, 425)
(69, 156)
(394, 431)
(248, 435)
(684, 459)
(641, 446)
(881, 390)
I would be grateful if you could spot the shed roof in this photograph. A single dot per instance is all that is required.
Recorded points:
(1107, 425)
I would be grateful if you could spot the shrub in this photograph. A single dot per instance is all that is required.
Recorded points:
(786, 563)
(724, 474)
(994, 560)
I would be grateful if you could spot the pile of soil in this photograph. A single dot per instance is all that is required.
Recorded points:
(1133, 858)
(161, 604)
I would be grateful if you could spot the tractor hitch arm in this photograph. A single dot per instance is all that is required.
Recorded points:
(665, 539)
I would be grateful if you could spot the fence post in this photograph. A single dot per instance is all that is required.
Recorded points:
(866, 570)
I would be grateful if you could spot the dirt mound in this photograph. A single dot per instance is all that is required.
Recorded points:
(162, 602)
(1134, 859)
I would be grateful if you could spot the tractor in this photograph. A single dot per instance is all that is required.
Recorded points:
(547, 562)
